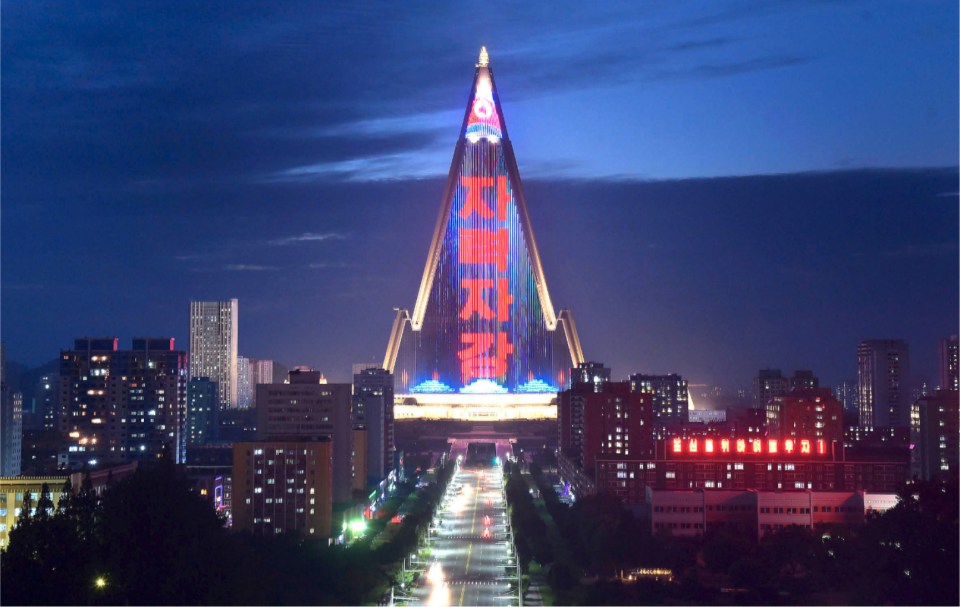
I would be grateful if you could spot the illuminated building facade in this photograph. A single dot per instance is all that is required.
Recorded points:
(738, 464)
(483, 333)
(804, 379)
(46, 406)
(848, 394)
(949, 363)
(935, 435)
(373, 412)
(12, 492)
(806, 412)
(213, 346)
(122, 405)
(670, 399)
(359, 459)
(692, 512)
(770, 383)
(306, 407)
(599, 419)
(883, 370)
(245, 382)
(281, 486)
(767, 384)
(261, 372)
(11, 424)
(202, 410)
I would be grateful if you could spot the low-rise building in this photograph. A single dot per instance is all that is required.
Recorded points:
(12, 493)
(693, 512)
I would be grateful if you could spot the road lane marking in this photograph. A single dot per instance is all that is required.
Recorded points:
(473, 524)
(465, 569)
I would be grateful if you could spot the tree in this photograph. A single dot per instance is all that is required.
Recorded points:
(44, 504)
(66, 496)
(25, 507)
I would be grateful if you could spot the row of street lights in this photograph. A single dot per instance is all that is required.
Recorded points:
(418, 566)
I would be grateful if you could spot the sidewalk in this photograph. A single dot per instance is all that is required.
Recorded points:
(531, 594)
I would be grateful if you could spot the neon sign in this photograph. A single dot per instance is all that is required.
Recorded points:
(710, 446)
(484, 237)
(483, 323)
(486, 353)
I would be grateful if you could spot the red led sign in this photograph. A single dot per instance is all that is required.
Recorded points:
(485, 355)
(741, 446)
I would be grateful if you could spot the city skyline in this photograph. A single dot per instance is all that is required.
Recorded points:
(305, 210)
(685, 332)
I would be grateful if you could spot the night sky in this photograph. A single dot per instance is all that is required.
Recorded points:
(714, 187)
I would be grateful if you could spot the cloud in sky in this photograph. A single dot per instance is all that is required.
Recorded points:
(246, 267)
(193, 96)
(306, 237)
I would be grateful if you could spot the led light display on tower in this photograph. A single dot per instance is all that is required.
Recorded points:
(483, 322)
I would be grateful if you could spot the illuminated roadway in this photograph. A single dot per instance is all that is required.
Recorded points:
(471, 559)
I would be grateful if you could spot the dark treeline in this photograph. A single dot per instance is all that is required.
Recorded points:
(153, 540)
(906, 556)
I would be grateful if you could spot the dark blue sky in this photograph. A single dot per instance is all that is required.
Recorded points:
(292, 154)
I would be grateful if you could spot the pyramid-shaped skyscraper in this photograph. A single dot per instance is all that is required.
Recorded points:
(484, 324)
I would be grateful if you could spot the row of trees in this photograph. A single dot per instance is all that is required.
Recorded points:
(531, 538)
(151, 539)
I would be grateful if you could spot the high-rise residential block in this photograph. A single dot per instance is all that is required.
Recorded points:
(122, 405)
(806, 413)
(604, 419)
(804, 379)
(949, 363)
(261, 372)
(585, 376)
(770, 383)
(848, 394)
(283, 485)
(359, 459)
(670, 399)
(373, 411)
(47, 401)
(309, 407)
(883, 373)
(213, 346)
(767, 384)
(245, 384)
(935, 435)
(202, 410)
(11, 424)
(589, 373)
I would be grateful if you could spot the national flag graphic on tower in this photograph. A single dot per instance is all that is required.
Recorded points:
(483, 321)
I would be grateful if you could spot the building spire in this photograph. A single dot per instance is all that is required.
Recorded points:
(484, 60)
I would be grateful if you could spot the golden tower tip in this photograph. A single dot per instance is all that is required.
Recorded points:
(484, 57)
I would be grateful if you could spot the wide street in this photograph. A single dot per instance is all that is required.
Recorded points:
(470, 559)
